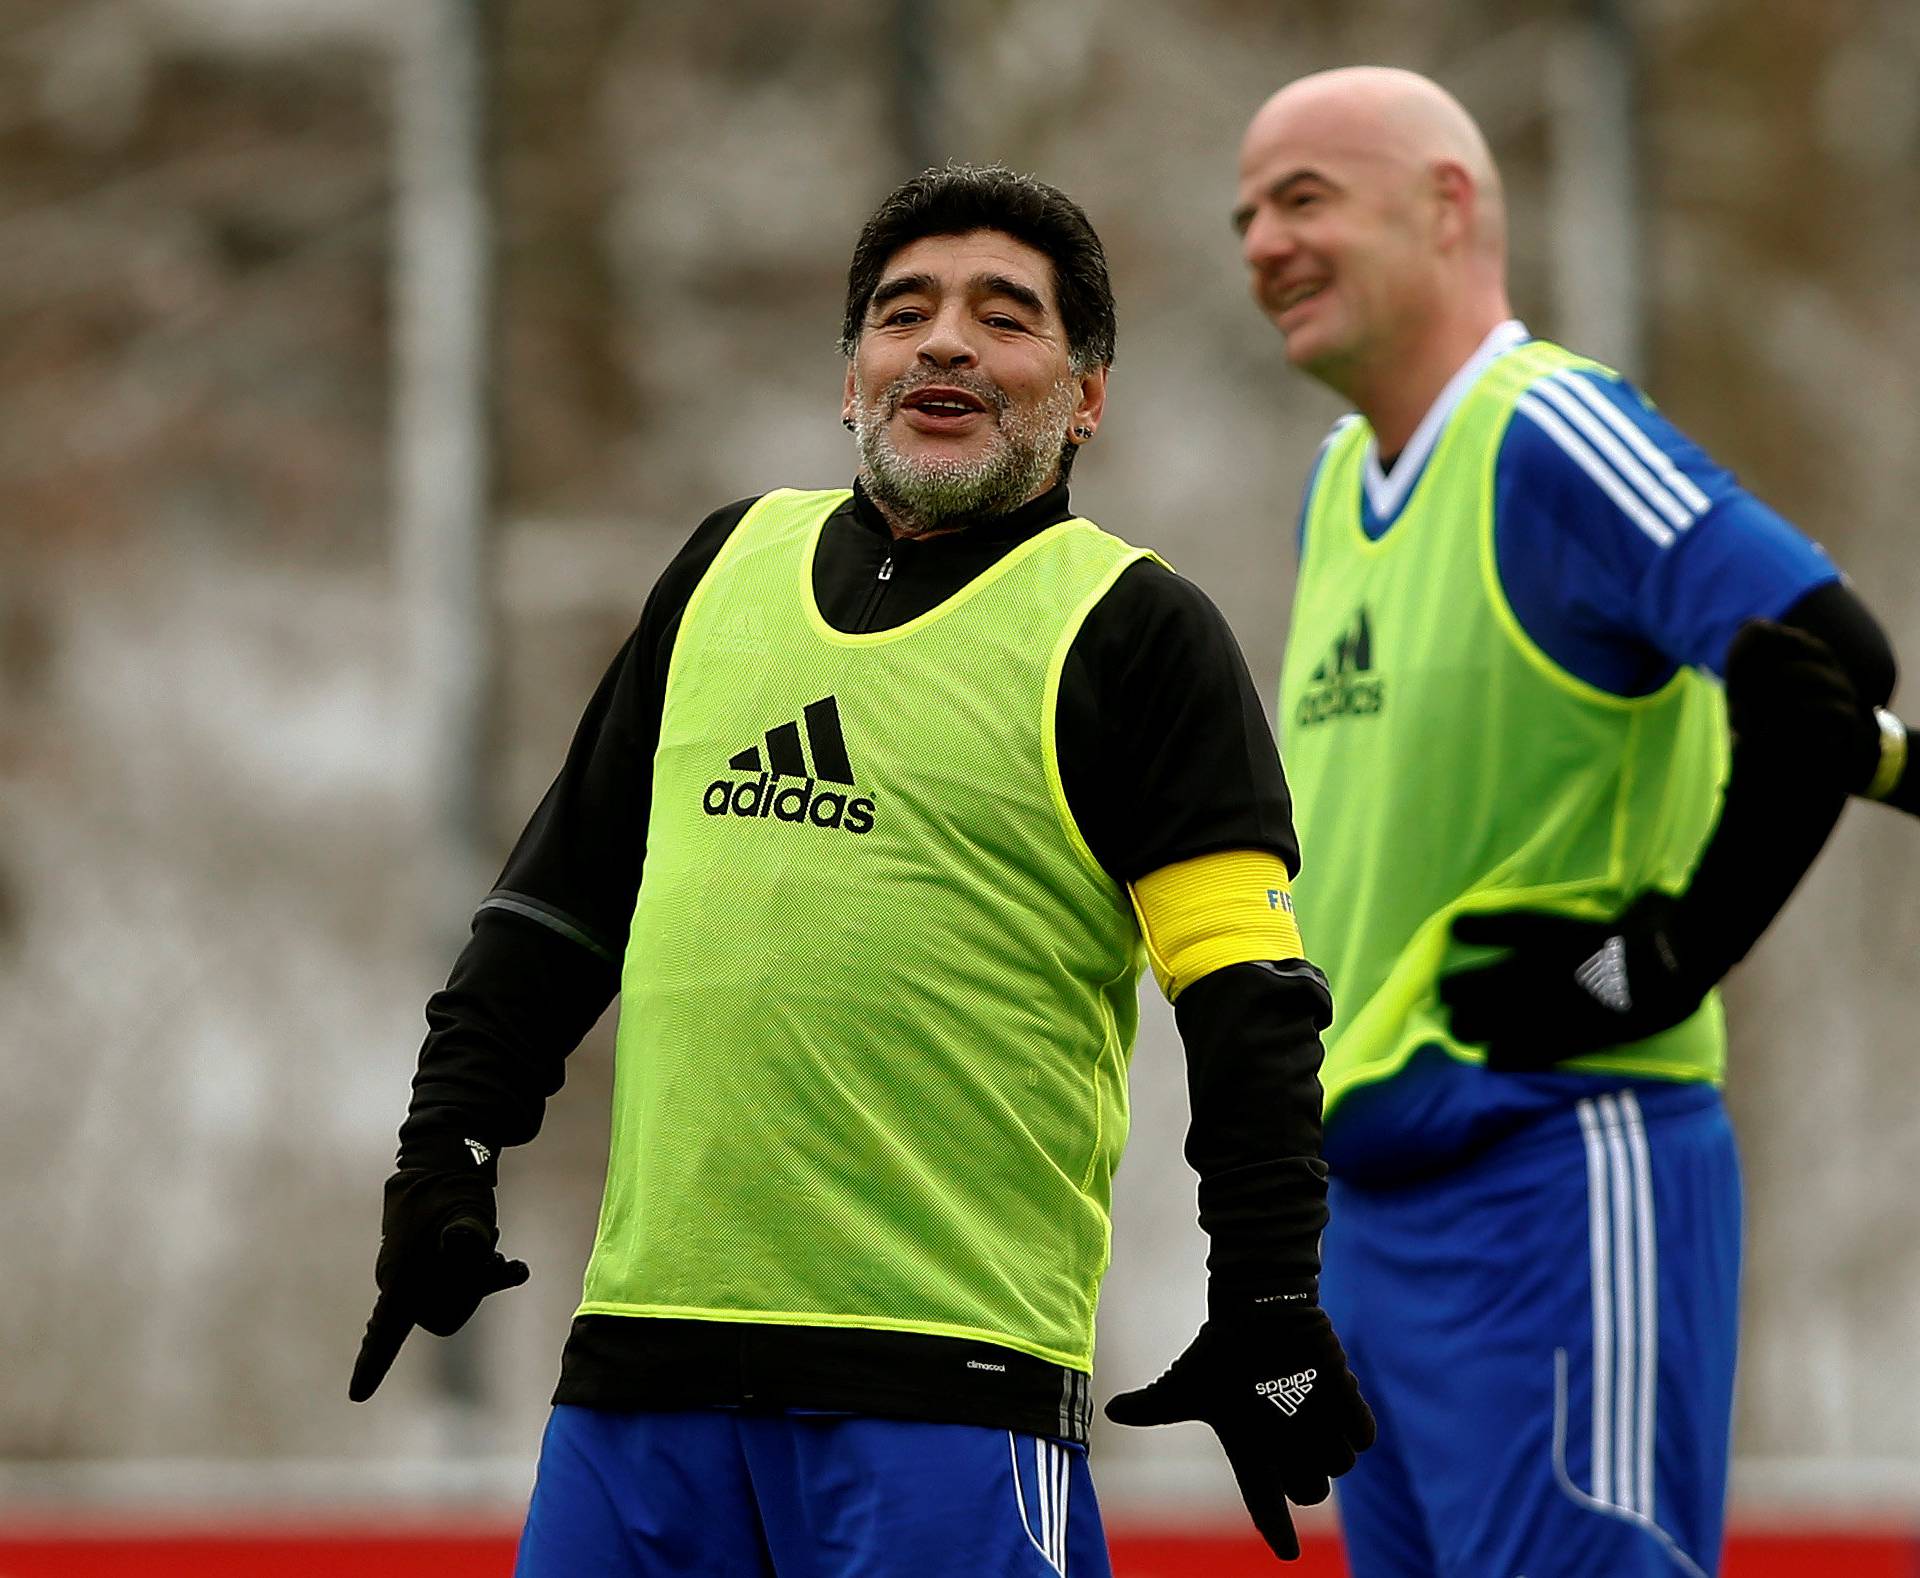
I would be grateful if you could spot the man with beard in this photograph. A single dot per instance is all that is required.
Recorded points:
(1537, 850)
(873, 823)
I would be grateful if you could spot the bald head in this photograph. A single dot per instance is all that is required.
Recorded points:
(1391, 123)
(1373, 223)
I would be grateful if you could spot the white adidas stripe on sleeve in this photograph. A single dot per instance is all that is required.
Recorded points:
(1605, 476)
(1642, 479)
(1652, 453)
(1606, 441)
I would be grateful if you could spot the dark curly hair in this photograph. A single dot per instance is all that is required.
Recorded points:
(963, 197)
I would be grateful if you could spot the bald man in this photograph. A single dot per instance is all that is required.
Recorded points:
(1531, 851)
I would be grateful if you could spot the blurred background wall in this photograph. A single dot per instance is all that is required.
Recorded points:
(225, 891)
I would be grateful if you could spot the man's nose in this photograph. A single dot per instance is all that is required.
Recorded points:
(1266, 242)
(945, 345)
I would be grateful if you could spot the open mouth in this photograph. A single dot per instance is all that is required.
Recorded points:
(940, 409)
(943, 402)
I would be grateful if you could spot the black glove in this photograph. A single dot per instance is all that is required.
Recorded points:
(1571, 986)
(1789, 696)
(436, 1263)
(1272, 1383)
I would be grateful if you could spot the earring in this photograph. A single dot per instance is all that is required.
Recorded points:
(1083, 433)
(847, 423)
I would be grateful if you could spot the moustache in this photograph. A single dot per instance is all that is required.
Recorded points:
(984, 388)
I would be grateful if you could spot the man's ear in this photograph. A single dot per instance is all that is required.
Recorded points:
(1093, 400)
(1458, 199)
(846, 396)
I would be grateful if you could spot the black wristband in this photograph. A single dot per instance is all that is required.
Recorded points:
(1263, 1226)
(450, 1151)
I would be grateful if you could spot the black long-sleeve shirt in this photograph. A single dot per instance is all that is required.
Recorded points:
(1164, 755)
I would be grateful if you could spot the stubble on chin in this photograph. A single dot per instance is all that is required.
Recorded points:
(926, 491)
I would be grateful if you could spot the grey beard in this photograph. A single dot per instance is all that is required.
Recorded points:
(925, 493)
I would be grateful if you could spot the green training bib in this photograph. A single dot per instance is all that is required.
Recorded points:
(1441, 762)
(878, 996)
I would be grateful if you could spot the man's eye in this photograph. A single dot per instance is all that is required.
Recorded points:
(1001, 321)
(904, 315)
(1303, 199)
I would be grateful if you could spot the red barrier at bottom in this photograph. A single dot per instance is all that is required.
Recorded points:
(1749, 1554)
(1139, 1553)
(1136, 1554)
(236, 1555)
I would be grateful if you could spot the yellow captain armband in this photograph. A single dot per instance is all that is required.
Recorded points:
(1893, 755)
(1204, 914)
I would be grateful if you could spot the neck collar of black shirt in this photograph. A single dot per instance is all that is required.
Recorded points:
(1049, 509)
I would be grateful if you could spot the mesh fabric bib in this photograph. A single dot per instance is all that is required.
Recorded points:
(878, 996)
(1440, 761)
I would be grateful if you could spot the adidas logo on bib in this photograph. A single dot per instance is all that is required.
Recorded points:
(1345, 685)
(807, 802)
